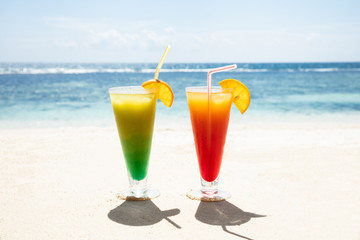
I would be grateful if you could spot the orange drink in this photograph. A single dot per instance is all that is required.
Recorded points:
(210, 119)
(210, 113)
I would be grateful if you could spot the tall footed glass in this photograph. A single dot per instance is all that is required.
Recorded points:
(209, 115)
(134, 109)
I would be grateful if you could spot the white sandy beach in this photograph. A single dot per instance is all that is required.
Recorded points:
(288, 180)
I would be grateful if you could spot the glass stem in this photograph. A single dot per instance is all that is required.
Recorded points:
(137, 187)
(209, 188)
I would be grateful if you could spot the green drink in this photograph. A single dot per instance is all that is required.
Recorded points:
(134, 110)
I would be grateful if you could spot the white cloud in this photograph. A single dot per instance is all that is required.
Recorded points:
(140, 39)
(113, 36)
(88, 34)
(154, 37)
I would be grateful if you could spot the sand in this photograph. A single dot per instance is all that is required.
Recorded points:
(288, 180)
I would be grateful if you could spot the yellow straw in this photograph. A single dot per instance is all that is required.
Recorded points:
(157, 71)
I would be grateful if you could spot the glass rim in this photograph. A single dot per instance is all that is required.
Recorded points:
(215, 89)
(131, 90)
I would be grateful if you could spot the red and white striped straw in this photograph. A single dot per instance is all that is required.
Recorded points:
(220, 69)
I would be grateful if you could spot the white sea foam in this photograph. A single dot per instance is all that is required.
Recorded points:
(348, 98)
(251, 70)
(175, 70)
(319, 70)
(64, 70)
(61, 70)
(191, 70)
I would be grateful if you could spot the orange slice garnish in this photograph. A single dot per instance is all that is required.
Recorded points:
(163, 91)
(241, 94)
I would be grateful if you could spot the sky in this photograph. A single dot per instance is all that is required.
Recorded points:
(197, 30)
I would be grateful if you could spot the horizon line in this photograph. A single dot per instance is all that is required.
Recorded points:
(200, 62)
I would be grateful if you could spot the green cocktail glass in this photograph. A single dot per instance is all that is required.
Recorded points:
(134, 109)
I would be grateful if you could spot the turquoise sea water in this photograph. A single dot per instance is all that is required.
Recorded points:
(64, 93)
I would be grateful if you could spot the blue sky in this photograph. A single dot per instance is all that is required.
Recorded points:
(198, 31)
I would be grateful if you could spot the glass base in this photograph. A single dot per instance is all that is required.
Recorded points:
(209, 192)
(138, 195)
(208, 197)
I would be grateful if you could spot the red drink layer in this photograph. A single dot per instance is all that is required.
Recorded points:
(209, 123)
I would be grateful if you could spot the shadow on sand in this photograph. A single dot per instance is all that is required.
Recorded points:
(141, 213)
(223, 214)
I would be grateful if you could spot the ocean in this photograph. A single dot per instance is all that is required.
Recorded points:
(68, 93)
